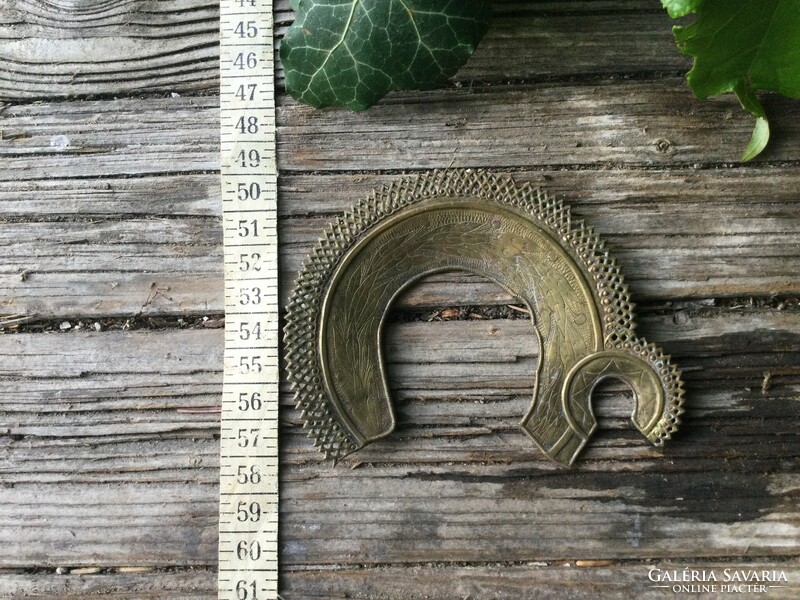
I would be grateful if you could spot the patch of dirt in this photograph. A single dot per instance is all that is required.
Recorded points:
(23, 325)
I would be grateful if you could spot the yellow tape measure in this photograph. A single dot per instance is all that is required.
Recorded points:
(248, 524)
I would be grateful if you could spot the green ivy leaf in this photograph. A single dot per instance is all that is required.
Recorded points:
(353, 52)
(681, 8)
(742, 46)
(758, 141)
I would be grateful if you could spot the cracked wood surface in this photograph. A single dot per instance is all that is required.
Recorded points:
(137, 219)
(170, 46)
(109, 209)
(133, 454)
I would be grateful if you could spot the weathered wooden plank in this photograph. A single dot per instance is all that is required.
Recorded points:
(758, 192)
(175, 584)
(175, 352)
(443, 518)
(109, 524)
(129, 280)
(667, 250)
(742, 198)
(81, 258)
(53, 49)
(488, 359)
(147, 47)
(633, 123)
(641, 208)
(379, 516)
(112, 137)
(174, 196)
(131, 435)
(647, 123)
(573, 40)
(468, 429)
(94, 295)
(536, 580)
(90, 295)
(133, 245)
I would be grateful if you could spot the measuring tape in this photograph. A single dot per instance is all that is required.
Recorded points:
(248, 523)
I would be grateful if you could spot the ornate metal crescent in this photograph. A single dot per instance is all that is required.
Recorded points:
(520, 238)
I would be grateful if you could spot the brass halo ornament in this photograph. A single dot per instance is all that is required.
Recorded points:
(516, 236)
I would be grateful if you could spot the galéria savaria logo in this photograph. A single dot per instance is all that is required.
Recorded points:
(718, 581)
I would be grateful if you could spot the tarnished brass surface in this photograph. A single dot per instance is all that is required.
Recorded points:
(516, 236)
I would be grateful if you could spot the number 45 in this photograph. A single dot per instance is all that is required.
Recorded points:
(248, 29)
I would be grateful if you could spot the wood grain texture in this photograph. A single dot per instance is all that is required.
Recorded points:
(458, 481)
(137, 232)
(642, 124)
(637, 124)
(524, 582)
(147, 584)
(109, 207)
(537, 580)
(148, 46)
(52, 49)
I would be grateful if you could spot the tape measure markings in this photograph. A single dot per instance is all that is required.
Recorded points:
(248, 517)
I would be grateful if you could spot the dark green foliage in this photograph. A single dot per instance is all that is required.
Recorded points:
(353, 52)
